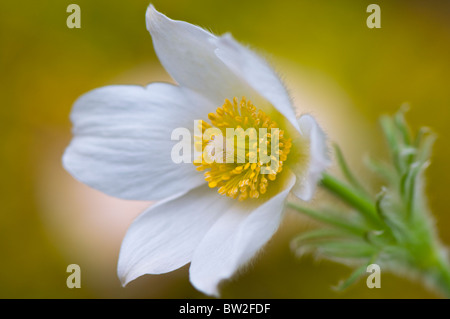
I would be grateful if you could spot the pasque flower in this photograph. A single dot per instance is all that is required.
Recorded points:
(216, 216)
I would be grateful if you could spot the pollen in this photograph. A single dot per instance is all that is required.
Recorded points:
(242, 150)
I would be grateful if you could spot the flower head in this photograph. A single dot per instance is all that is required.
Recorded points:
(218, 211)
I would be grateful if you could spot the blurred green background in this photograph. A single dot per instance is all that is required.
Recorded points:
(335, 67)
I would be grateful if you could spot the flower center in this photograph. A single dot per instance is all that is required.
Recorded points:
(243, 148)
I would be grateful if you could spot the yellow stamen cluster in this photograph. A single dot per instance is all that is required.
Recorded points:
(242, 179)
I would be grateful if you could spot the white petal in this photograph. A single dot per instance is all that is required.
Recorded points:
(122, 140)
(257, 73)
(218, 68)
(235, 238)
(164, 237)
(187, 53)
(318, 158)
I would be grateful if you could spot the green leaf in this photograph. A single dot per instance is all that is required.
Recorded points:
(331, 219)
(343, 249)
(389, 130)
(411, 188)
(384, 170)
(392, 217)
(320, 235)
(425, 147)
(402, 126)
(352, 279)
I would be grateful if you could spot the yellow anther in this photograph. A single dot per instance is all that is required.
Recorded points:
(212, 184)
(236, 179)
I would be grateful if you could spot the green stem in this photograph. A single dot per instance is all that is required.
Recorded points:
(440, 276)
(351, 197)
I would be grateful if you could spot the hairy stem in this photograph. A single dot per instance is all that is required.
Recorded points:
(440, 275)
(351, 197)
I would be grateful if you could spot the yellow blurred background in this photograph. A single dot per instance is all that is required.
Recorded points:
(334, 65)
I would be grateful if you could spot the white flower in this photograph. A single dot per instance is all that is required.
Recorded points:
(122, 147)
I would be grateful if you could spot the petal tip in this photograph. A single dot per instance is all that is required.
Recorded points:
(151, 17)
(123, 282)
(319, 157)
(208, 288)
(124, 276)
